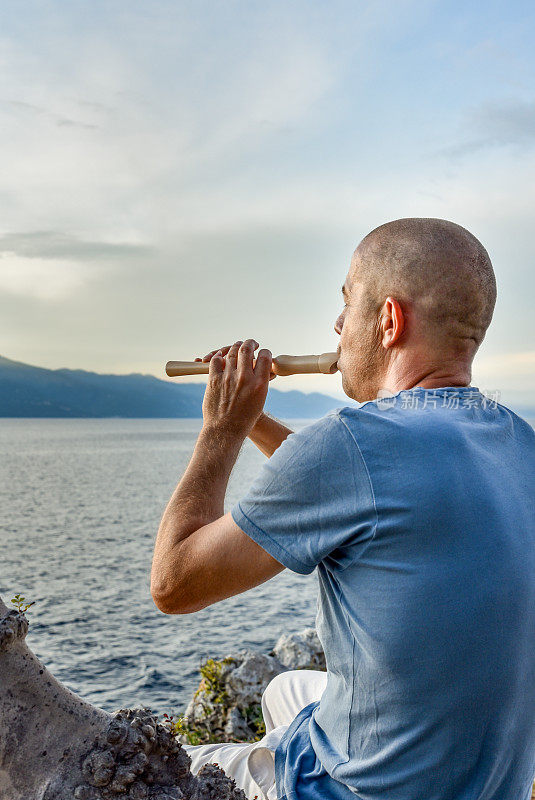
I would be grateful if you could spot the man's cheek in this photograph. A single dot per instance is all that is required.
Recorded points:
(345, 340)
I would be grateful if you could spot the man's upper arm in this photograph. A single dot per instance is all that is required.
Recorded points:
(312, 501)
(217, 561)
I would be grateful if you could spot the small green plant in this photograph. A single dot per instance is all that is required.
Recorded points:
(179, 727)
(255, 720)
(212, 708)
(20, 603)
(214, 682)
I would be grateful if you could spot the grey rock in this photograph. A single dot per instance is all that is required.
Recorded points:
(227, 706)
(247, 682)
(225, 710)
(236, 728)
(301, 650)
(56, 746)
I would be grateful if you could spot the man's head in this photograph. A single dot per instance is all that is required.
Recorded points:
(419, 297)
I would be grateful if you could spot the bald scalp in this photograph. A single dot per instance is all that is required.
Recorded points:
(439, 273)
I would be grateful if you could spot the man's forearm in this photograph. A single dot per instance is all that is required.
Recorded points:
(268, 434)
(197, 500)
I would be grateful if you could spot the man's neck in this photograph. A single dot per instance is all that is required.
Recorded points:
(429, 377)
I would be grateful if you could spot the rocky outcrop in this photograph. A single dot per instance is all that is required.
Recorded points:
(227, 705)
(55, 746)
(301, 650)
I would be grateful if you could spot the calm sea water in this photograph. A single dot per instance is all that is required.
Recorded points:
(80, 503)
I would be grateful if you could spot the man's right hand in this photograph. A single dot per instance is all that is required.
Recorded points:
(224, 351)
(268, 433)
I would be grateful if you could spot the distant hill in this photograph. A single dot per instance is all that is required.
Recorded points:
(27, 391)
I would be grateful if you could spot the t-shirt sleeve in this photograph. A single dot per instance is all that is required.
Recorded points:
(312, 500)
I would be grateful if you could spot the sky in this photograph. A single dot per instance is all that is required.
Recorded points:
(175, 176)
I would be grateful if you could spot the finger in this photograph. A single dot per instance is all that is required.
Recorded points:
(212, 353)
(232, 356)
(217, 365)
(262, 367)
(245, 355)
(223, 350)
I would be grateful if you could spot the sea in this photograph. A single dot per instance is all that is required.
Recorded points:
(80, 504)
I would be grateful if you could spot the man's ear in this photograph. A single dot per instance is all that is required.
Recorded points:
(392, 322)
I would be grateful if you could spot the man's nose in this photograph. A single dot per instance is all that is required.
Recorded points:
(338, 324)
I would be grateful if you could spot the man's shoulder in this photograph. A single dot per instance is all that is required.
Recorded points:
(324, 439)
(316, 432)
(518, 423)
(342, 422)
(450, 414)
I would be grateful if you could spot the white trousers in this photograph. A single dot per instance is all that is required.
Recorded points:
(252, 765)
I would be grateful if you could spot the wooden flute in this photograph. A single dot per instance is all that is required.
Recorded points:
(282, 365)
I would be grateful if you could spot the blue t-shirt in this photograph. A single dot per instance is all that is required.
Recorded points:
(419, 514)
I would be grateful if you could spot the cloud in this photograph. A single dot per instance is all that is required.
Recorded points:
(51, 266)
(506, 124)
(64, 122)
(39, 278)
(136, 131)
(58, 119)
(58, 245)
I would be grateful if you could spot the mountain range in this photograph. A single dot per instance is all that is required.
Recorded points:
(28, 391)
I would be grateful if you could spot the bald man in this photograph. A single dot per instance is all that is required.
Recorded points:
(417, 510)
